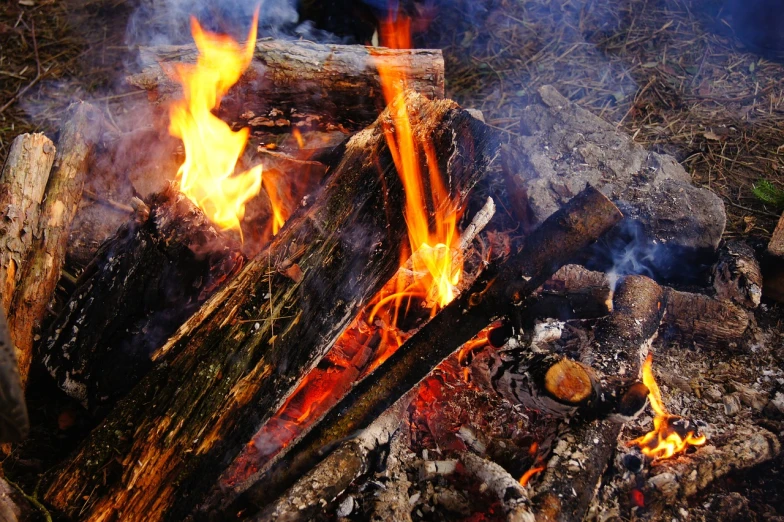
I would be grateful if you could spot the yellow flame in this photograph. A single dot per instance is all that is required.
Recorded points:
(211, 147)
(432, 246)
(663, 441)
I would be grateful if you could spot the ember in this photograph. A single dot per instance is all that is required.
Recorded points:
(671, 434)
(211, 147)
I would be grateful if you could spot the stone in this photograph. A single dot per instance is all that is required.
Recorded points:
(563, 147)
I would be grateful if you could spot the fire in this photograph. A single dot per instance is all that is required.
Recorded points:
(671, 434)
(212, 149)
(432, 246)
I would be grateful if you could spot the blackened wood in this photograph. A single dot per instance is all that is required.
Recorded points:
(143, 283)
(14, 424)
(41, 271)
(621, 343)
(233, 364)
(737, 276)
(586, 217)
(573, 291)
(302, 84)
(22, 186)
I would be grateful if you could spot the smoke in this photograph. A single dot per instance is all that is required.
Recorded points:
(164, 22)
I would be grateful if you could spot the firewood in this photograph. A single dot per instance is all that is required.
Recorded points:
(302, 84)
(22, 186)
(776, 244)
(622, 339)
(321, 485)
(233, 364)
(14, 423)
(41, 270)
(576, 225)
(144, 282)
(512, 495)
(737, 276)
(691, 318)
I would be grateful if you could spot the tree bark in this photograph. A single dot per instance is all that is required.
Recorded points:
(144, 282)
(235, 362)
(41, 271)
(560, 237)
(302, 84)
(22, 186)
(776, 244)
(621, 343)
(737, 276)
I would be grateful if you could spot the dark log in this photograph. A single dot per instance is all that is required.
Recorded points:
(233, 364)
(41, 270)
(737, 276)
(22, 186)
(299, 84)
(503, 284)
(691, 318)
(621, 342)
(14, 423)
(144, 282)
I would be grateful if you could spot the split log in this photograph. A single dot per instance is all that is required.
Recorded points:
(573, 475)
(41, 270)
(144, 282)
(321, 485)
(233, 364)
(691, 318)
(503, 284)
(302, 84)
(22, 186)
(512, 495)
(776, 244)
(737, 276)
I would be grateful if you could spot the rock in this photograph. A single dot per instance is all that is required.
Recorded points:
(563, 147)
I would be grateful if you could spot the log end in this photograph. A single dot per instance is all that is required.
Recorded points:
(568, 381)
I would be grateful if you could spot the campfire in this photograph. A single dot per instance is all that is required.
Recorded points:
(354, 299)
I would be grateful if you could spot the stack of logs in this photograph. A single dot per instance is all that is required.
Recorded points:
(182, 365)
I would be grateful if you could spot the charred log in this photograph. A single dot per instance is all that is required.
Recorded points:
(144, 282)
(41, 271)
(621, 342)
(737, 276)
(575, 226)
(234, 363)
(302, 84)
(22, 186)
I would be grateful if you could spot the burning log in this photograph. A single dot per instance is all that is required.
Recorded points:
(621, 342)
(121, 311)
(691, 318)
(512, 495)
(22, 186)
(559, 238)
(302, 84)
(41, 271)
(234, 363)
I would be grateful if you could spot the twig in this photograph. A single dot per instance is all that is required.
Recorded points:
(38, 75)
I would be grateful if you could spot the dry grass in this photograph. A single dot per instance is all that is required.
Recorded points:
(669, 72)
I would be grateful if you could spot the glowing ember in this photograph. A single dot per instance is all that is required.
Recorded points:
(530, 473)
(211, 147)
(671, 434)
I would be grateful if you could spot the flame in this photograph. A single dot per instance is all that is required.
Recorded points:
(432, 246)
(212, 149)
(671, 434)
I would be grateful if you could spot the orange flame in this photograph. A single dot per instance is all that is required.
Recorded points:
(667, 438)
(212, 149)
(431, 246)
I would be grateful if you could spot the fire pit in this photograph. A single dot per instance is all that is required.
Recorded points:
(349, 298)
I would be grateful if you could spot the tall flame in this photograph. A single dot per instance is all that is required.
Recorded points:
(211, 147)
(431, 246)
(671, 434)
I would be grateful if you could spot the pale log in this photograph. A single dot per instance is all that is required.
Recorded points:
(302, 84)
(41, 270)
(776, 244)
(234, 363)
(22, 186)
